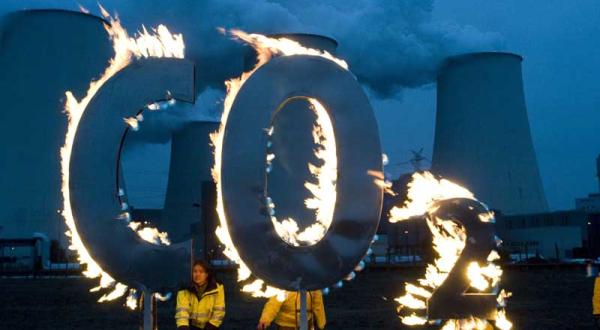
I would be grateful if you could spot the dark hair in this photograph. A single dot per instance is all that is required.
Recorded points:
(211, 279)
(207, 266)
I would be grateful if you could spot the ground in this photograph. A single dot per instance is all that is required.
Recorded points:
(549, 298)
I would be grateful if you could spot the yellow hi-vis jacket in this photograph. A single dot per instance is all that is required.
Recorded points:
(596, 298)
(287, 313)
(197, 311)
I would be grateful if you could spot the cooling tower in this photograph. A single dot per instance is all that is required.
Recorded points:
(43, 53)
(190, 166)
(482, 137)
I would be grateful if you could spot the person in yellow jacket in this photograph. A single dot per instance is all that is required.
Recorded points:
(202, 304)
(596, 301)
(286, 314)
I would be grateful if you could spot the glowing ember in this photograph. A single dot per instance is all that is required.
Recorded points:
(482, 278)
(424, 189)
(380, 181)
(414, 320)
(466, 324)
(493, 256)
(269, 47)
(486, 217)
(159, 43)
(502, 322)
(448, 241)
(266, 48)
(256, 289)
(502, 298)
(150, 234)
(118, 291)
(133, 123)
(131, 300)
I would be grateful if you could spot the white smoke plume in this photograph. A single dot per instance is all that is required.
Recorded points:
(389, 44)
(158, 126)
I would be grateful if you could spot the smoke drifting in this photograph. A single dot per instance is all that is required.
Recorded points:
(389, 44)
(158, 126)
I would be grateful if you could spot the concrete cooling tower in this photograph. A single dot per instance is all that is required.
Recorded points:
(482, 137)
(42, 55)
(190, 168)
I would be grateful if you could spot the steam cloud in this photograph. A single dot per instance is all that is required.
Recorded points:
(389, 44)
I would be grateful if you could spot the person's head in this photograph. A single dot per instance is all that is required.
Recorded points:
(201, 272)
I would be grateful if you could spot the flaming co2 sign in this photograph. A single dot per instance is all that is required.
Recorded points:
(273, 254)
(462, 284)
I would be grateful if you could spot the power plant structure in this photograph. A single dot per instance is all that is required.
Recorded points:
(42, 56)
(591, 203)
(189, 169)
(482, 136)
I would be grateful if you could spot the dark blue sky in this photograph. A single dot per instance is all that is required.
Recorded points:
(394, 47)
(560, 43)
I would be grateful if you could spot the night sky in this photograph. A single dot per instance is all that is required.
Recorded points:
(394, 47)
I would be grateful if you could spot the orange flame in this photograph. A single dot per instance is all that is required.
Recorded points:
(266, 48)
(324, 192)
(159, 43)
(448, 241)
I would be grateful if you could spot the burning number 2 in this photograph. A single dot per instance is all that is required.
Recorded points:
(455, 298)
(461, 285)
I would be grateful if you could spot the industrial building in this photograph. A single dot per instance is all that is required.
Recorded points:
(553, 235)
(591, 203)
(189, 170)
(482, 141)
(34, 87)
(42, 57)
(482, 137)
(189, 208)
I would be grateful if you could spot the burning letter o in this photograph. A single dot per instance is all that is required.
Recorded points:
(243, 178)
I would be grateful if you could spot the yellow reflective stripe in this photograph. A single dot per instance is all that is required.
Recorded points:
(182, 309)
(217, 318)
(220, 309)
(181, 317)
(199, 315)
